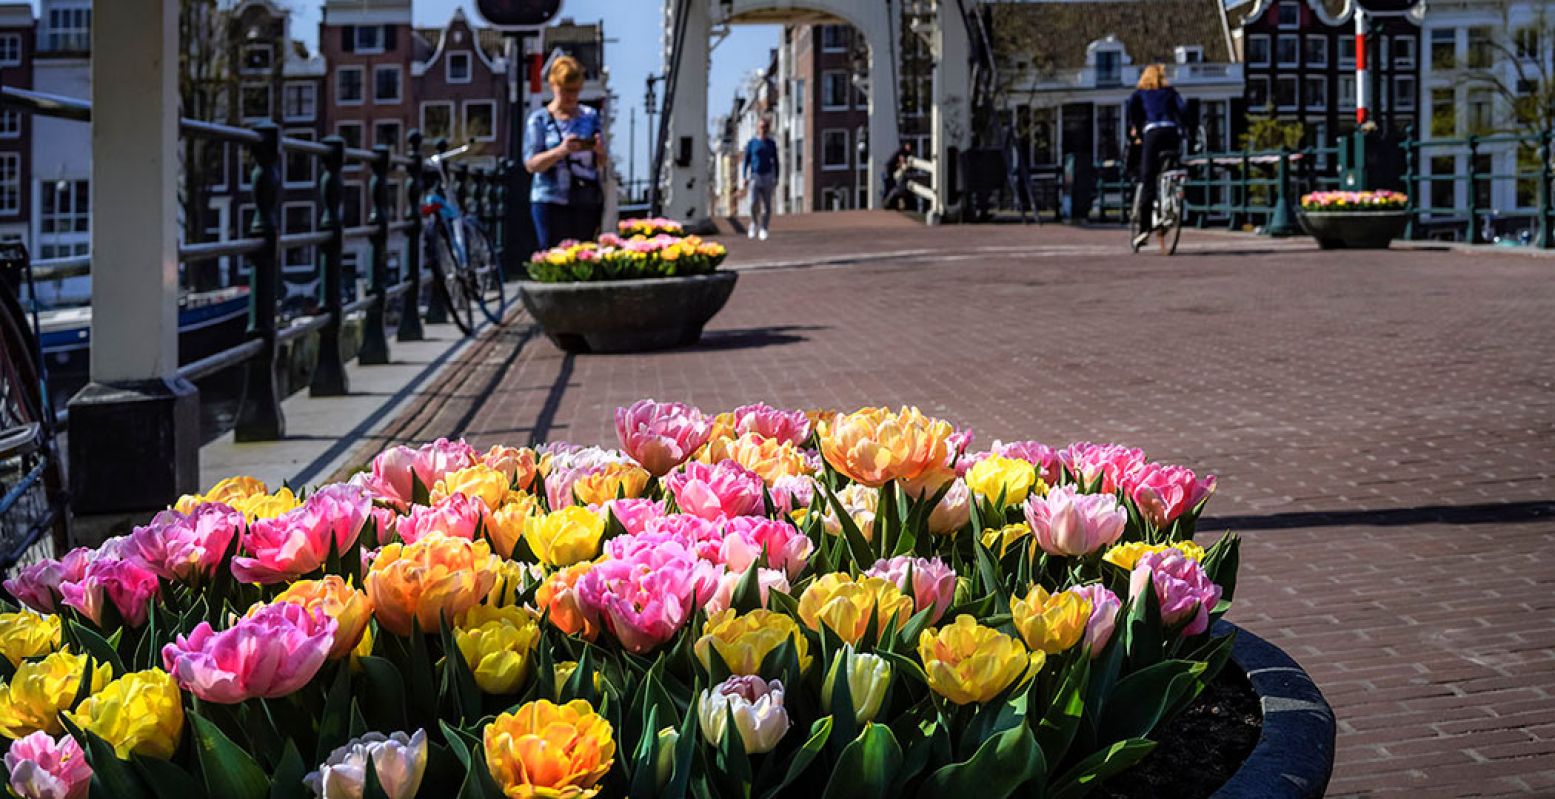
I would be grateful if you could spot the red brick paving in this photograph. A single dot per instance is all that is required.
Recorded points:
(1383, 425)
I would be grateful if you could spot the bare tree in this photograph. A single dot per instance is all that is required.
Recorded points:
(1514, 63)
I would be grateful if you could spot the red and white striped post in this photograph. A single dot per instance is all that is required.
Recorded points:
(1362, 85)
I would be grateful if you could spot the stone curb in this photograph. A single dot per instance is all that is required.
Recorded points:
(1294, 757)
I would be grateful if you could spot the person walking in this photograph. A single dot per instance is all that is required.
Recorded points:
(760, 169)
(895, 189)
(565, 151)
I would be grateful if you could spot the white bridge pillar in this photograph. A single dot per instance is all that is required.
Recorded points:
(952, 115)
(688, 194)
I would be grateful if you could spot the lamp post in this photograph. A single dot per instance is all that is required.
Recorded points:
(650, 105)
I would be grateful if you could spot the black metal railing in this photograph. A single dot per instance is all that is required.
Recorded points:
(263, 245)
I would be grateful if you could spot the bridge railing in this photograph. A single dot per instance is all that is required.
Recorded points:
(1235, 188)
(263, 246)
(1470, 198)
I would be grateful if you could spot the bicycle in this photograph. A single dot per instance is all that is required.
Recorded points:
(1169, 209)
(465, 272)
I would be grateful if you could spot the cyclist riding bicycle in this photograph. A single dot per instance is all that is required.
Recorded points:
(1156, 114)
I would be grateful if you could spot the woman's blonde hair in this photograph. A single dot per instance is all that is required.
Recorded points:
(565, 71)
(1152, 77)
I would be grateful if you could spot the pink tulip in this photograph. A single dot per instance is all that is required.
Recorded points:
(635, 514)
(392, 476)
(1104, 615)
(958, 443)
(458, 516)
(792, 492)
(769, 422)
(933, 584)
(298, 542)
(645, 600)
(1185, 592)
(43, 768)
(766, 580)
(271, 653)
(1068, 523)
(702, 538)
(37, 584)
(661, 435)
(385, 524)
(180, 546)
(435, 460)
(570, 464)
(128, 584)
(1111, 462)
(1163, 493)
(1040, 455)
(715, 492)
(747, 539)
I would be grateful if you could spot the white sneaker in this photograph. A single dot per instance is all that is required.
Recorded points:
(762, 235)
(751, 232)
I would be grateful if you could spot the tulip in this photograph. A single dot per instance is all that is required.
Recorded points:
(266, 506)
(756, 706)
(769, 458)
(480, 482)
(565, 537)
(36, 585)
(847, 605)
(715, 492)
(790, 494)
(519, 465)
(1068, 523)
(1086, 462)
(1050, 623)
(998, 476)
(1045, 458)
(433, 579)
(932, 583)
(26, 635)
(610, 482)
(635, 514)
(43, 768)
(456, 516)
(1000, 539)
(497, 643)
(967, 662)
(505, 525)
(1124, 556)
(1164, 493)
(186, 546)
(954, 510)
(41, 689)
(392, 477)
(861, 502)
(399, 761)
(777, 544)
(512, 581)
(1104, 615)
(564, 465)
(129, 585)
(299, 542)
(644, 600)
(868, 678)
(434, 461)
(331, 598)
(1184, 591)
(558, 598)
(140, 713)
(874, 446)
(664, 756)
(545, 751)
(792, 427)
(744, 641)
(661, 435)
(226, 492)
(270, 653)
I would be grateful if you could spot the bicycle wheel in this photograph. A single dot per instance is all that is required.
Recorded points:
(42, 508)
(448, 279)
(1173, 232)
(1134, 216)
(490, 292)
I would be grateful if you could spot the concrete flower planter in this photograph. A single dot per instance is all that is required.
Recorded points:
(1295, 753)
(1354, 230)
(627, 315)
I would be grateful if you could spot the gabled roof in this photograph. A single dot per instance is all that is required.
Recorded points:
(1055, 35)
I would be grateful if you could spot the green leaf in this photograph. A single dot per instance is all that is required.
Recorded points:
(644, 775)
(1141, 699)
(372, 787)
(859, 549)
(97, 646)
(110, 775)
(335, 721)
(455, 743)
(1056, 730)
(1144, 627)
(167, 779)
(382, 693)
(866, 767)
(287, 781)
(820, 731)
(230, 773)
(1001, 765)
(747, 592)
(1092, 771)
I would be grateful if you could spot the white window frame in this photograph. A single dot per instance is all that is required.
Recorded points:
(469, 67)
(1296, 95)
(1279, 21)
(340, 73)
(1268, 49)
(453, 122)
(1307, 101)
(829, 48)
(308, 89)
(827, 76)
(10, 123)
(1410, 99)
(78, 34)
(399, 138)
(313, 225)
(1403, 60)
(1096, 76)
(361, 137)
(302, 183)
(372, 49)
(1296, 59)
(1268, 96)
(464, 118)
(1346, 99)
(10, 183)
(243, 90)
(399, 82)
(10, 50)
(1319, 39)
(846, 154)
(1346, 54)
(1188, 54)
(245, 69)
(1320, 137)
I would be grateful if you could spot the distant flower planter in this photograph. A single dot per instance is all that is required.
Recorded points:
(627, 315)
(1354, 230)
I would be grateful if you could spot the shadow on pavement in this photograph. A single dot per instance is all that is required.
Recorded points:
(1488, 513)
(752, 338)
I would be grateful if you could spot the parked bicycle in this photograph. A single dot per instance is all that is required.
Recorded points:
(1169, 208)
(464, 264)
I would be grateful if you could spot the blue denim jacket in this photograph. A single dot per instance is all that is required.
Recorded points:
(543, 132)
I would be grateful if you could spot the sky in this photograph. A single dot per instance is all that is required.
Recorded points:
(632, 29)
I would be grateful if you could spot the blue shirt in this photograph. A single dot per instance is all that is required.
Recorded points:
(1147, 106)
(544, 132)
(761, 157)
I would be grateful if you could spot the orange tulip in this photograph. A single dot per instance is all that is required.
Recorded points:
(336, 599)
(874, 446)
(435, 578)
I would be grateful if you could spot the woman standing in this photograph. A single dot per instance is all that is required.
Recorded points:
(565, 151)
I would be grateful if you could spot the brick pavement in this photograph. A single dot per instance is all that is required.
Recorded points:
(1383, 425)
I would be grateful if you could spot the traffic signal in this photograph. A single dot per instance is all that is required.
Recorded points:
(519, 13)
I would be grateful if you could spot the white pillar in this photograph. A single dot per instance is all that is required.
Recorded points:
(688, 195)
(951, 118)
(884, 76)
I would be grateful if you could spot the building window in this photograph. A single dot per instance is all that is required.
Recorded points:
(351, 133)
(1317, 51)
(1215, 128)
(799, 96)
(1316, 92)
(257, 59)
(1347, 92)
(1109, 67)
(10, 123)
(437, 121)
(1285, 89)
(66, 208)
(834, 90)
(1346, 51)
(1109, 132)
(70, 29)
(369, 39)
(1287, 50)
(1527, 164)
(1290, 14)
(834, 149)
(1444, 48)
(480, 120)
(834, 38)
(298, 218)
(10, 183)
(386, 84)
(299, 102)
(299, 165)
(1481, 108)
(458, 67)
(256, 101)
(1258, 92)
(11, 50)
(1189, 54)
(386, 134)
(1404, 93)
(1404, 52)
(1444, 114)
(348, 86)
(1258, 49)
(1482, 47)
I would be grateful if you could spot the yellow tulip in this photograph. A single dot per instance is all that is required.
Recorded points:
(967, 662)
(42, 689)
(336, 599)
(847, 605)
(1016, 479)
(26, 635)
(1050, 623)
(228, 491)
(550, 751)
(868, 678)
(743, 642)
(565, 537)
(364, 648)
(435, 578)
(1000, 539)
(767, 457)
(497, 644)
(511, 579)
(505, 525)
(613, 481)
(1126, 555)
(484, 483)
(516, 463)
(266, 506)
(874, 445)
(140, 713)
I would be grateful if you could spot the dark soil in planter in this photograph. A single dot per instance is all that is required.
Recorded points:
(1200, 749)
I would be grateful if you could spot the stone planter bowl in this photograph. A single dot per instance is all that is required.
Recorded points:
(1294, 756)
(1354, 230)
(627, 315)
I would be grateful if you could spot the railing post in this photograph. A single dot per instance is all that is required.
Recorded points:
(437, 312)
(259, 416)
(1244, 200)
(329, 374)
(1473, 231)
(1545, 233)
(499, 220)
(1282, 222)
(1411, 183)
(375, 343)
(415, 191)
